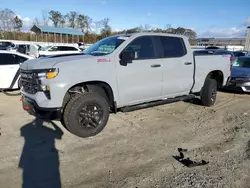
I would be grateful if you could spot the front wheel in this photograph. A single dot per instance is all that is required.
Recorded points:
(209, 92)
(86, 114)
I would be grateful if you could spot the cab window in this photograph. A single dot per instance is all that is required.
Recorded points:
(143, 46)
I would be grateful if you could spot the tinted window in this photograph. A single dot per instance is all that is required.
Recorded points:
(7, 59)
(53, 49)
(143, 46)
(238, 54)
(242, 62)
(21, 59)
(173, 46)
(5, 44)
(67, 48)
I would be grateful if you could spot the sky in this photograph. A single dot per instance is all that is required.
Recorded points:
(212, 18)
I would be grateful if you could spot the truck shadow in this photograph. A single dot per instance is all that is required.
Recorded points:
(40, 159)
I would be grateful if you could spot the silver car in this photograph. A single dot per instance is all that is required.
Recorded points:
(240, 76)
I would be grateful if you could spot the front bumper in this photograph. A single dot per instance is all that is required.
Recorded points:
(30, 106)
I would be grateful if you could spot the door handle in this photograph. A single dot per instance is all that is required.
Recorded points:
(187, 63)
(155, 65)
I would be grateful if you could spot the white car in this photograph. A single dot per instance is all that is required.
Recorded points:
(9, 68)
(58, 50)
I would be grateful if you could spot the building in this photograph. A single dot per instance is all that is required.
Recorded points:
(57, 34)
(221, 42)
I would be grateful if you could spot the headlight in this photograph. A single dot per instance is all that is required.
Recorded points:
(51, 73)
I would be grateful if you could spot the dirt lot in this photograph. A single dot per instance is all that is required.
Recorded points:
(135, 149)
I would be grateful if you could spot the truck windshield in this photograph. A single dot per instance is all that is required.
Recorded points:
(105, 46)
(242, 62)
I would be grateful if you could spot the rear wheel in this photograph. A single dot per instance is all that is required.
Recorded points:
(209, 92)
(86, 114)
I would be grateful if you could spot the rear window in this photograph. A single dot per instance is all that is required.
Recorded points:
(5, 44)
(67, 48)
(173, 47)
(238, 54)
(242, 62)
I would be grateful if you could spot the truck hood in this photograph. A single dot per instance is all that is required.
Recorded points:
(49, 62)
(240, 72)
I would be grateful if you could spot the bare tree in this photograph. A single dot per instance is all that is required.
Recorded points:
(106, 30)
(63, 21)
(81, 22)
(36, 21)
(88, 23)
(7, 19)
(45, 17)
(72, 19)
(144, 28)
(98, 25)
(55, 17)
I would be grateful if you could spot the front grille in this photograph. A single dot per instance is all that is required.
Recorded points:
(29, 82)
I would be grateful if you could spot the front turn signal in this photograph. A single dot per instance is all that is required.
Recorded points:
(51, 75)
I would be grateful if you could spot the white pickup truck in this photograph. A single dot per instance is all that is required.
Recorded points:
(123, 72)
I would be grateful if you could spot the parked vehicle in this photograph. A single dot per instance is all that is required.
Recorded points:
(5, 44)
(240, 76)
(9, 68)
(241, 53)
(21, 48)
(56, 50)
(123, 72)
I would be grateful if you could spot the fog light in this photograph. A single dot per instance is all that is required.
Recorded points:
(45, 88)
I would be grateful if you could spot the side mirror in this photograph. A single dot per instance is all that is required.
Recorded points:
(127, 57)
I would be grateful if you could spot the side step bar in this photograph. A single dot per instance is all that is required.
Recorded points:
(156, 103)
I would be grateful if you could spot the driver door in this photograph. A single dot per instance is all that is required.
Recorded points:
(141, 80)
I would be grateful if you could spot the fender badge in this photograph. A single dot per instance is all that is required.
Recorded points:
(103, 60)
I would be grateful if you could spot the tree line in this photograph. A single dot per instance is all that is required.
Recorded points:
(11, 26)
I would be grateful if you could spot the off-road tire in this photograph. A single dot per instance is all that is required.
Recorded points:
(209, 92)
(73, 108)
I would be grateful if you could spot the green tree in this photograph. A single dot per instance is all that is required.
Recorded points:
(18, 24)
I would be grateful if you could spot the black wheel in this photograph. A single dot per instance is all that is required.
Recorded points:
(86, 114)
(209, 92)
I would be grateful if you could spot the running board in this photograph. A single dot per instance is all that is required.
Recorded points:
(156, 103)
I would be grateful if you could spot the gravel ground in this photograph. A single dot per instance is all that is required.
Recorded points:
(136, 149)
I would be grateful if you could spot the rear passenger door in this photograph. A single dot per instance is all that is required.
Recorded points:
(9, 67)
(177, 66)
